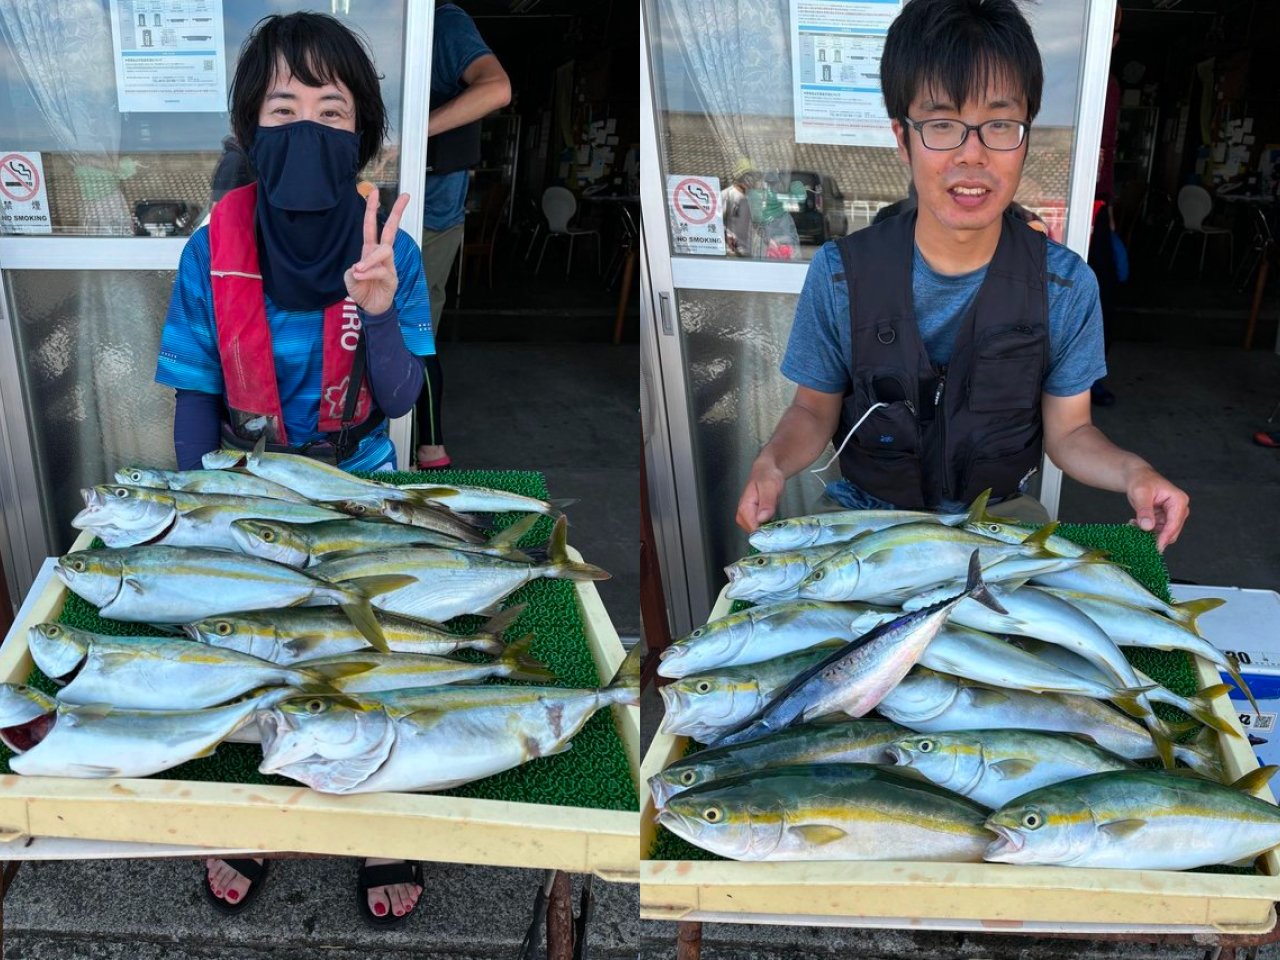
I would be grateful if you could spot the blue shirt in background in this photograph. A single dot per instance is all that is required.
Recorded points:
(456, 46)
(190, 360)
(820, 350)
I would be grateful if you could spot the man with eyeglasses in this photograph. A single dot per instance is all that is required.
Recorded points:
(943, 350)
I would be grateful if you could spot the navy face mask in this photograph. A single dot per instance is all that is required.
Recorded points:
(310, 217)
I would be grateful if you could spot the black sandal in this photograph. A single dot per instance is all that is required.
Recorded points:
(251, 870)
(385, 875)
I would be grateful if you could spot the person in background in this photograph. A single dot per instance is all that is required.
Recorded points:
(736, 203)
(467, 83)
(291, 289)
(944, 350)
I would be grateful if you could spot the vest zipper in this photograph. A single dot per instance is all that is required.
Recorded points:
(940, 414)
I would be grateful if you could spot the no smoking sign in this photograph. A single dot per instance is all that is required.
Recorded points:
(24, 205)
(697, 220)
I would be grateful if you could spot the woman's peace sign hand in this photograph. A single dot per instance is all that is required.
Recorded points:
(371, 282)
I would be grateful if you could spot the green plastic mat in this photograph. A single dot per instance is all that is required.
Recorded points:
(1125, 544)
(595, 773)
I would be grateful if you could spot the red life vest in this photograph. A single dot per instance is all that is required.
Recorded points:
(244, 337)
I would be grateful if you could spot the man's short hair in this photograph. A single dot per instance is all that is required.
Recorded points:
(317, 49)
(957, 48)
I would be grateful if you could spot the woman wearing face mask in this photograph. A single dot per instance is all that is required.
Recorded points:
(293, 293)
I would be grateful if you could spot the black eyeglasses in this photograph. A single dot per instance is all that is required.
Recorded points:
(950, 134)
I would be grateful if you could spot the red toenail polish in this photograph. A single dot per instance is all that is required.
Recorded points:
(379, 908)
(399, 913)
(233, 895)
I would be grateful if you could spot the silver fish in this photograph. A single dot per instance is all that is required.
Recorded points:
(97, 741)
(183, 584)
(155, 673)
(432, 738)
(995, 766)
(931, 702)
(207, 481)
(767, 631)
(465, 498)
(297, 634)
(302, 545)
(859, 674)
(399, 671)
(448, 583)
(1137, 820)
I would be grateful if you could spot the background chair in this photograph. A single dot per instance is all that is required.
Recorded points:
(559, 205)
(1194, 204)
(486, 231)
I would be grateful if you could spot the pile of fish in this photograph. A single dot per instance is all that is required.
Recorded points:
(305, 611)
(1011, 726)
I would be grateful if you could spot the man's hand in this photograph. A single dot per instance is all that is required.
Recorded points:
(1159, 506)
(372, 282)
(759, 500)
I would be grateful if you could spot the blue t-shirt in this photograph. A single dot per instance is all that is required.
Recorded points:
(820, 351)
(189, 357)
(457, 44)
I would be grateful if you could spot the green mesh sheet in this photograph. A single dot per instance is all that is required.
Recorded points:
(1127, 545)
(594, 773)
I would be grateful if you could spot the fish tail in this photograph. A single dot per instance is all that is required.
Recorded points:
(624, 688)
(1233, 668)
(1040, 540)
(1201, 707)
(976, 589)
(1162, 737)
(563, 568)
(505, 541)
(558, 506)
(521, 664)
(1131, 701)
(978, 509)
(1189, 611)
(488, 639)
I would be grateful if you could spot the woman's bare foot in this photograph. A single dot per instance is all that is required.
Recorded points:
(399, 898)
(225, 882)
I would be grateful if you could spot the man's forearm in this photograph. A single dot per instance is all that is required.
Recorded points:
(478, 100)
(1086, 455)
(798, 440)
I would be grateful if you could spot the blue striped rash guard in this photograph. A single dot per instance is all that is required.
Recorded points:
(189, 357)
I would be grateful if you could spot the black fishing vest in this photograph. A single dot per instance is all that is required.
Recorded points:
(946, 433)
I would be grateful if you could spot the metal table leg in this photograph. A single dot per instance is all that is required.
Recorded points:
(560, 918)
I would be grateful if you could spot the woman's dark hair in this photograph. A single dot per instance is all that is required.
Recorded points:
(959, 47)
(317, 49)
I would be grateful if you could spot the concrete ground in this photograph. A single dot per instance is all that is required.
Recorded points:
(566, 408)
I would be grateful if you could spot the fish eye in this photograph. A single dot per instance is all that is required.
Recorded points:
(1032, 820)
(712, 815)
(315, 706)
(269, 536)
(759, 561)
(52, 630)
(120, 492)
(703, 686)
(76, 565)
(223, 628)
(688, 777)
(135, 475)
(993, 527)
(818, 575)
(697, 633)
(925, 746)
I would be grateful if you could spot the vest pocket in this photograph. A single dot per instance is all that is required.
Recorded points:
(883, 455)
(1008, 370)
(1001, 460)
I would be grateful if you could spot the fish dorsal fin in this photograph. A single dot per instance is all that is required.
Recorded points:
(1121, 829)
(1011, 769)
(978, 509)
(1255, 780)
(818, 834)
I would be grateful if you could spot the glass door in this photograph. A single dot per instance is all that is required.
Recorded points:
(113, 114)
(768, 112)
